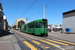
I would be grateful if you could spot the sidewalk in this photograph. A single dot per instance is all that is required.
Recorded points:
(70, 37)
(6, 41)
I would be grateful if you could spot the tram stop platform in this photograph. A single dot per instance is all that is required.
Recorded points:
(6, 41)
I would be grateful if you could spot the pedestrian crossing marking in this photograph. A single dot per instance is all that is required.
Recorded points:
(65, 41)
(58, 42)
(36, 42)
(29, 45)
(49, 43)
(47, 47)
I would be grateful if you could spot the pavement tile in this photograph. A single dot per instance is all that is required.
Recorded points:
(6, 42)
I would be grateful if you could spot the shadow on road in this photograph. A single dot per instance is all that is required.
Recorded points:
(5, 33)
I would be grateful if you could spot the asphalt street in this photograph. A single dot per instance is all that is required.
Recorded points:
(33, 42)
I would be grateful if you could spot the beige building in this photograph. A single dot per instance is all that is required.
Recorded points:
(21, 20)
(5, 23)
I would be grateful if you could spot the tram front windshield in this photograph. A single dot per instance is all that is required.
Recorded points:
(41, 25)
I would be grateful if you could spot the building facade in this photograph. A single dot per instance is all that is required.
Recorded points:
(69, 21)
(3, 20)
(21, 20)
(5, 23)
(1, 17)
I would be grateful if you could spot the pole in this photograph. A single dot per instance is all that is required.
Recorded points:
(44, 11)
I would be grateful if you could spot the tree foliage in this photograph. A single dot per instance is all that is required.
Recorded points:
(19, 24)
(14, 26)
(9, 26)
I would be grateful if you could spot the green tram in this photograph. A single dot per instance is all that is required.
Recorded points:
(37, 27)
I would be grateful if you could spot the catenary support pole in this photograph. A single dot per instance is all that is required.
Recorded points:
(44, 10)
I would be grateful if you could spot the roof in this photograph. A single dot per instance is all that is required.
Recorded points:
(35, 21)
(49, 25)
(69, 12)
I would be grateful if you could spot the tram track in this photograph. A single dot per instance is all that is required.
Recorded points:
(29, 40)
(44, 44)
(23, 46)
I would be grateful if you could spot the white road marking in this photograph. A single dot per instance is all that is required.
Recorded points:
(61, 39)
(4, 41)
(37, 39)
(61, 48)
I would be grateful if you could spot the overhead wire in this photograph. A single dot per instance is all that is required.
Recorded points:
(28, 8)
(54, 4)
(49, 2)
(16, 8)
(35, 11)
(24, 7)
(45, 5)
(42, 7)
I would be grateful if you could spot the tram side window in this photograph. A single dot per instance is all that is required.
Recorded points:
(39, 25)
(20, 27)
(25, 27)
(28, 25)
(31, 25)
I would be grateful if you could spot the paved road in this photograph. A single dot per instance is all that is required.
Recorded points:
(65, 36)
(33, 42)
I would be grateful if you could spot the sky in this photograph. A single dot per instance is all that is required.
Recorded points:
(33, 10)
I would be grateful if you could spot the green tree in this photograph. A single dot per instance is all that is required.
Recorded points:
(9, 26)
(14, 26)
(19, 24)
